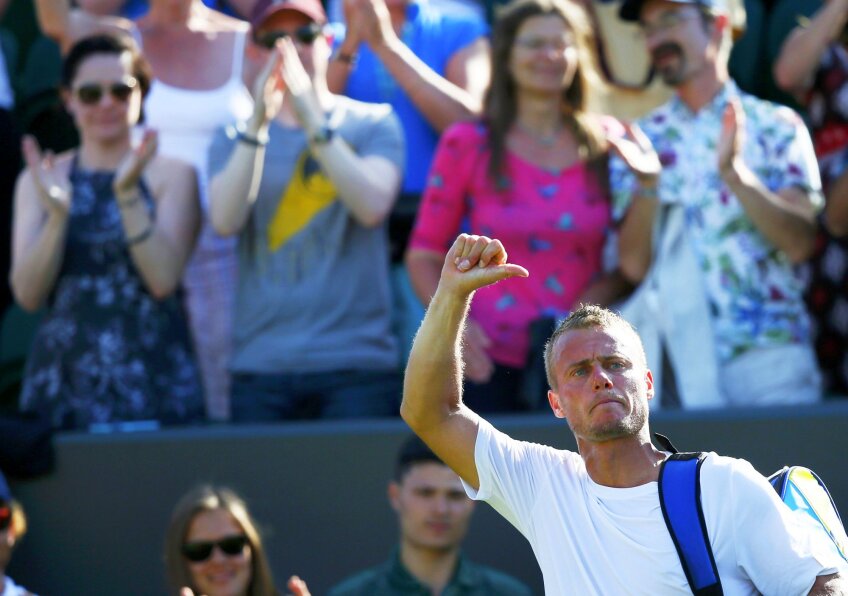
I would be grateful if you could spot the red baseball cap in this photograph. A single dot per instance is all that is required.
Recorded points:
(265, 8)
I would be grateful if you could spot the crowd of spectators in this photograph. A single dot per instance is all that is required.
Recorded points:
(333, 164)
(238, 212)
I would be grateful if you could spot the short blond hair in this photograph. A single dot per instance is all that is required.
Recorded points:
(588, 316)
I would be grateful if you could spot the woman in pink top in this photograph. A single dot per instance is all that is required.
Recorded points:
(532, 174)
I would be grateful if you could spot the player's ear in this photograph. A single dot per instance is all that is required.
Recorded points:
(553, 400)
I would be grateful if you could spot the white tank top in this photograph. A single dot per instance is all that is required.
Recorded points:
(186, 119)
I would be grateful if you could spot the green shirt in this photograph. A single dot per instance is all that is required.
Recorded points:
(393, 579)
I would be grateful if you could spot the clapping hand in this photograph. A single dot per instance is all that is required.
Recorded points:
(732, 137)
(369, 20)
(295, 584)
(637, 152)
(268, 89)
(133, 164)
(54, 188)
(299, 85)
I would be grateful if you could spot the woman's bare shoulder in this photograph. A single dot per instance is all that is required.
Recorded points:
(163, 170)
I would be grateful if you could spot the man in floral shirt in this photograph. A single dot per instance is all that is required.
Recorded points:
(742, 174)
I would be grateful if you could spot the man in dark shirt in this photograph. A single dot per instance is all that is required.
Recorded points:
(433, 514)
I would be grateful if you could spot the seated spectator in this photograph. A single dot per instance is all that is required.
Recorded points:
(433, 516)
(735, 205)
(432, 67)
(13, 526)
(306, 186)
(101, 236)
(199, 60)
(813, 65)
(534, 172)
(213, 548)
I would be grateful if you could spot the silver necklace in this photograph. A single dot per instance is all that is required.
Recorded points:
(546, 140)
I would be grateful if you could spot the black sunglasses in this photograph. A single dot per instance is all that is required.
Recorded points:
(201, 550)
(91, 93)
(305, 35)
(5, 516)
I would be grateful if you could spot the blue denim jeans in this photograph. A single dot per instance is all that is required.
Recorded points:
(332, 394)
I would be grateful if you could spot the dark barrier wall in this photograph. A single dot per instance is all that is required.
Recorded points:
(97, 523)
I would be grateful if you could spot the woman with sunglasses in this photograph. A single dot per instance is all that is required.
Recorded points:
(101, 236)
(199, 60)
(532, 173)
(213, 548)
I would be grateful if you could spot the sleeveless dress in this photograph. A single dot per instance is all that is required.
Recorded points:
(106, 350)
(186, 120)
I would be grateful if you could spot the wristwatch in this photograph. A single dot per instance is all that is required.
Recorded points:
(322, 135)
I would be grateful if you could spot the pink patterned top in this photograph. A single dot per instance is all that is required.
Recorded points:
(553, 223)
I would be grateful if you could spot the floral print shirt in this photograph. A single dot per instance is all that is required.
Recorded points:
(754, 292)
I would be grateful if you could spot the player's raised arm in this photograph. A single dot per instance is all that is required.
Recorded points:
(432, 393)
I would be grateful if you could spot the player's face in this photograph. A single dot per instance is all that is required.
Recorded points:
(432, 507)
(603, 384)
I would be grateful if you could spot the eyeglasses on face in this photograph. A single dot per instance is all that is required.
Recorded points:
(5, 516)
(666, 22)
(534, 44)
(91, 93)
(200, 550)
(305, 35)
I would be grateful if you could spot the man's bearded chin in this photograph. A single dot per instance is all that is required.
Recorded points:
(670, 72)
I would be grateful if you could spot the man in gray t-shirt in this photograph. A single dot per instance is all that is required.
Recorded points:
(307, 184)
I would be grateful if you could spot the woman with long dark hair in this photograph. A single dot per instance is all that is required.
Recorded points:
(213, 548)
(532, 173)
(102, 234)
(199, 67)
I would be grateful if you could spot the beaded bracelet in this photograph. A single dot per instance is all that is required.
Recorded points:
(141, 236)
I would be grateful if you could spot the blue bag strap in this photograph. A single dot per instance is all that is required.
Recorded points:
(680, 499)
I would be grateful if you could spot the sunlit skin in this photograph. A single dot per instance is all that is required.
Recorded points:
(220, 574)
(602, 389)
(543, 58)
(676, 39)
(108, 122)
(433, 509)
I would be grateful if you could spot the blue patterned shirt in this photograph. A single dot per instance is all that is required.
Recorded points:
(753, 290)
